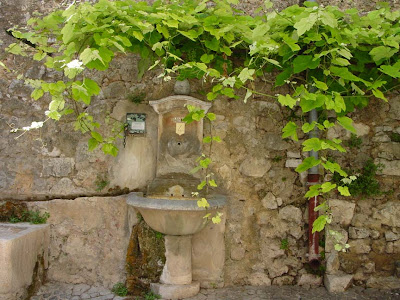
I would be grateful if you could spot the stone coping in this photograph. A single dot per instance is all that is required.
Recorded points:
(138, 200)
(170, 103)
(9, 231)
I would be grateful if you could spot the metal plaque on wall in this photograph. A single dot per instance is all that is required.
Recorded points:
(136, 123)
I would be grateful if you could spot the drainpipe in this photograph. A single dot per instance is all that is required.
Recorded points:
(312, 179)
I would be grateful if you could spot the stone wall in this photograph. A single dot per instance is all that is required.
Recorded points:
(253, 165)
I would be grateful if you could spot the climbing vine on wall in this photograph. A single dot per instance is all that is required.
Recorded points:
(330, 60)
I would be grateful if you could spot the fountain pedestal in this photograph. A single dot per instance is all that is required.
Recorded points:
(176, 278)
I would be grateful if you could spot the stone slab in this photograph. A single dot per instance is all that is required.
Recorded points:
(20, 246)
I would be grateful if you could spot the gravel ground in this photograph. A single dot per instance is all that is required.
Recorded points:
(59, 291)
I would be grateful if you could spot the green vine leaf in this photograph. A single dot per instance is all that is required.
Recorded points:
(344, 190)
(304, 62)
(308, 163)
(390, 70)
(110, 149)
(97, 136)
(290, 130)
(319, 223)
(287, 100)
(92, 144)
(305, 24)
(346, 123)
(203, 203)
(382, 52)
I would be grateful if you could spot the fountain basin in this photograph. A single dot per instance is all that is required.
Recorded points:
(174, 217)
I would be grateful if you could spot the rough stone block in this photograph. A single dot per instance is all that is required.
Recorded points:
(342, 211)
(254, 167)
(332, 262)
(358, 233)
(361, 129)
(337, 283)
(389, 213)
(293, 163)
(390, 236)
(310, 280)
(259, 278)
(391, 168)
(269, 201)
(277, 268)
(291, 213)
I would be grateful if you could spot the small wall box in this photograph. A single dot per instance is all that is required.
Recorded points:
(135, 123)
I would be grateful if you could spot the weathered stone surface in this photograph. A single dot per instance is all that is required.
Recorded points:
(89, 238)
(58, 167)
(383, 282)
(390, 236)
(360, 246)
(115, 89)
(259, 279)
(391, 168)
(293, 154)
(394, 111)
(269, 201)
(270, 248)
(237, 252)
(293, 163)
(396, 246)
(291, 213)
(331, 240)
(332, 262)
(254, 167)
(66, 187)
(361, 129)
(358, 233)
(274, 141)
(310, 280)
(342, 211)
(389, 214)
(337, 283)
(277, 268)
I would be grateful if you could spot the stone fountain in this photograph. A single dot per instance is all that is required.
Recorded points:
(168, 206)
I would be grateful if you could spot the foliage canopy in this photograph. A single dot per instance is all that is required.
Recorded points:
(331, 60)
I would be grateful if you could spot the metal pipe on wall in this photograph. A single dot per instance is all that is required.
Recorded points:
(313, 178)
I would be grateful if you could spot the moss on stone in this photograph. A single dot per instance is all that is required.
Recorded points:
(145, 258)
